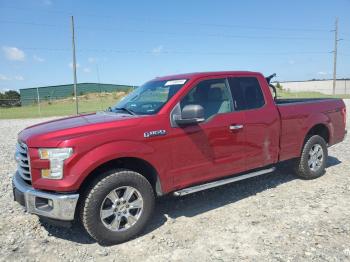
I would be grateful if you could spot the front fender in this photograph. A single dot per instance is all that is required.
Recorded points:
(82, 164)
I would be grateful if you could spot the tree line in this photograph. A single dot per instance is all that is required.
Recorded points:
(10, 98)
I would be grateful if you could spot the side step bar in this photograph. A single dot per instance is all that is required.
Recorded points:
(194, 189)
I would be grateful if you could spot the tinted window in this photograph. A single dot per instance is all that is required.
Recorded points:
(246, 93)
(213, 95)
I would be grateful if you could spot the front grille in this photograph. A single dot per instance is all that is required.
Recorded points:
(23, 161)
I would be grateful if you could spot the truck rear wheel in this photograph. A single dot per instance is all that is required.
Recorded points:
(117, 207)
(312, 163)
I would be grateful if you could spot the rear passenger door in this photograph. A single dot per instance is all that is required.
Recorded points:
(261, 126)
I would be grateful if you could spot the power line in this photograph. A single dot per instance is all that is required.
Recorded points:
(219, 35)
(176, 52)
(148, 19)
(192, 34)
(36, 10)
(30, 23)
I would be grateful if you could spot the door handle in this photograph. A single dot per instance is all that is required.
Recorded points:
(236, 127)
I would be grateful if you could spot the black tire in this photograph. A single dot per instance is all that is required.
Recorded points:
(302, 168)
(96, 195)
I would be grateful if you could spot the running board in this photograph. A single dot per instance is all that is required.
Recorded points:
(194, 189)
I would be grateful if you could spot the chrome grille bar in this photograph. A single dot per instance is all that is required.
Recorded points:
(23, 163)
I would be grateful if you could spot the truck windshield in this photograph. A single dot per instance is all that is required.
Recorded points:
(149, 98)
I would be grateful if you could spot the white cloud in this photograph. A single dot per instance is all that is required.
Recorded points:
(87, 70)
(19, 78)
(13, 53)
(4, 78)
(157, 50)
(71, 65)
(38, 58)
(322, 73)
(291, 62)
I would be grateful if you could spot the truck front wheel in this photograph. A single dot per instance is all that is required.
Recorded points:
(117, 207)
(312, 162)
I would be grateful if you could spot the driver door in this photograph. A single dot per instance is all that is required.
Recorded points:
(211, 149)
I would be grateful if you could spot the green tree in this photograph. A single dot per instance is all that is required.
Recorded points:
(11, 94)
(10, 98)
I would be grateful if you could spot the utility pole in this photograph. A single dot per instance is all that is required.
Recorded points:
(335, 55)
(99, 85)
(38, 100)
(74, 68)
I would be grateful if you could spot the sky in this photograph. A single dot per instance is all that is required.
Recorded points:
(131, 42)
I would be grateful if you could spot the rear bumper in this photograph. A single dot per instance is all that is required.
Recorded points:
(46, 204)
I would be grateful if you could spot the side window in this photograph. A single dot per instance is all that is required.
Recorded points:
(246, 93)
(213, 95)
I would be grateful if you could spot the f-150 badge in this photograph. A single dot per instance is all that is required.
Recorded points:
(154, 133)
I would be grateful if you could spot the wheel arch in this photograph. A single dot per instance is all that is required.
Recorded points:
(320, 129)
(316, 124)
(136, 164)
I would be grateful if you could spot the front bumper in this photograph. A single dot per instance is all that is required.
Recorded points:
(47, 204)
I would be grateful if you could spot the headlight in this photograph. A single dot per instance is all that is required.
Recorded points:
(56, 156)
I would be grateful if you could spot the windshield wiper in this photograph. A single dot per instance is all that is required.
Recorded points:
(125, 109)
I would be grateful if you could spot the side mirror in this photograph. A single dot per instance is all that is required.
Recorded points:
(191, 115)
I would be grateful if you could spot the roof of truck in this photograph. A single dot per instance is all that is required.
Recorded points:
(204, 74)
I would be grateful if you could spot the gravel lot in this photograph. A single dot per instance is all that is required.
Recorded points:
(275, 217)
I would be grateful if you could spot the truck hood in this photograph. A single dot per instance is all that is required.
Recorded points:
(51, 133)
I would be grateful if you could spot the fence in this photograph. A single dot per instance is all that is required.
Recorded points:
(63, 91)
(39, 104)
(10, 102)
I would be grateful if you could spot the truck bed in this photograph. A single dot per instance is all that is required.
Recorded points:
(298, 115)
(282, 101)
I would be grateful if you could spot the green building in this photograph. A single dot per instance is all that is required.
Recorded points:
(30, 95)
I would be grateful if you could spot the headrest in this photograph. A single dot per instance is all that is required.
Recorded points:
(215, 94)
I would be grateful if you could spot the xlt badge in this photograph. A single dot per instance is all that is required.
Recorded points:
(154, 133)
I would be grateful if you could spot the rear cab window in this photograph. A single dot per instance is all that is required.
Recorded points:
(246, 93)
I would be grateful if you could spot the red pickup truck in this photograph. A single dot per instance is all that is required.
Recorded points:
(177, 134)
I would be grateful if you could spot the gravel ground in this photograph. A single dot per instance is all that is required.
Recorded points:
(275, 217)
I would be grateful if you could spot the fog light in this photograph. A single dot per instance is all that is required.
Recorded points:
(43, 204)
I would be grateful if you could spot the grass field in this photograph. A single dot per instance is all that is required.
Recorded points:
(98, 102)
(287, 94)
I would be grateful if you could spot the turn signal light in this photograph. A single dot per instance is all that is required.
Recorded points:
(45, 173)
